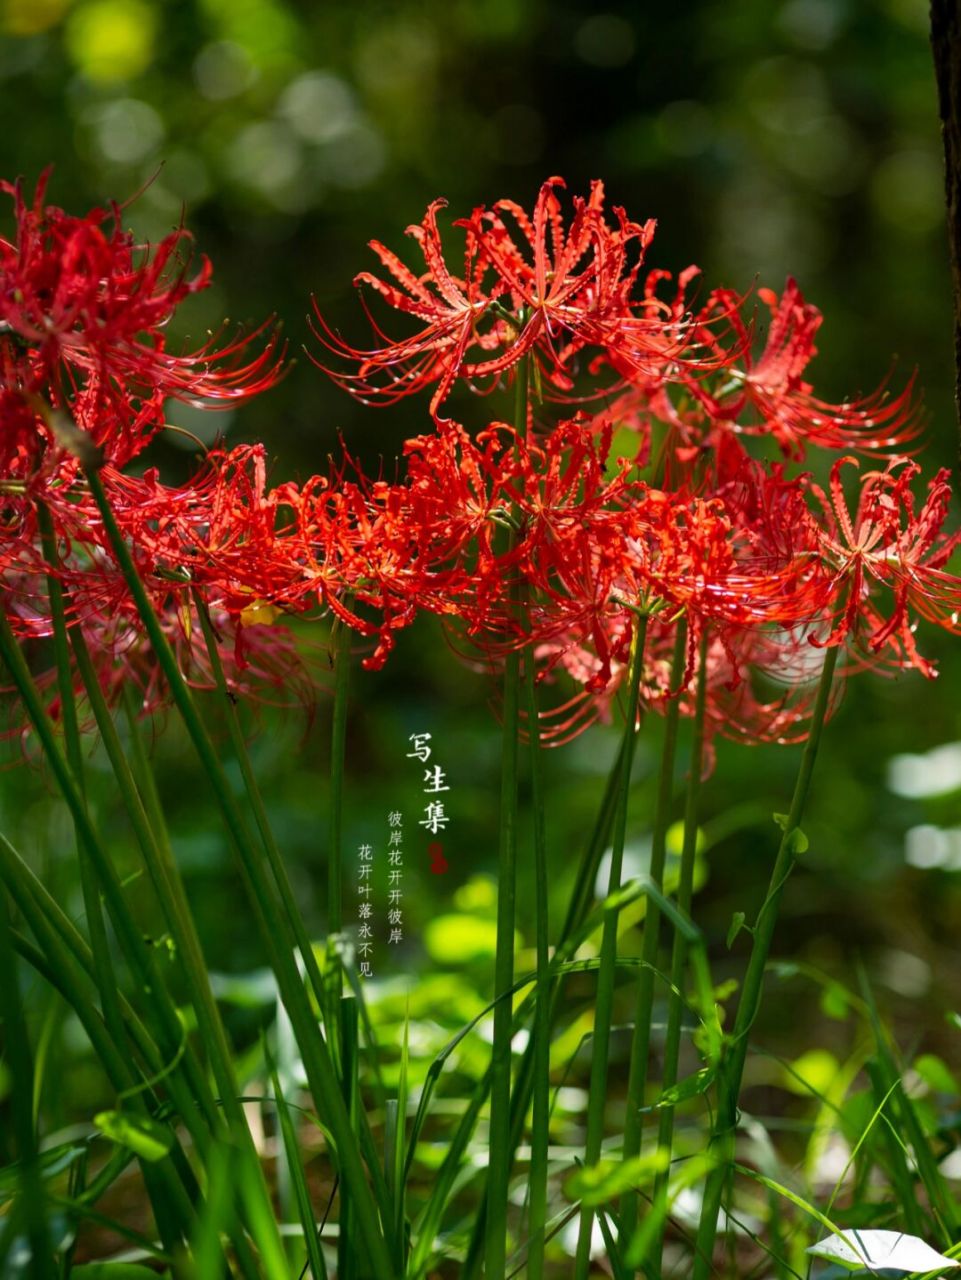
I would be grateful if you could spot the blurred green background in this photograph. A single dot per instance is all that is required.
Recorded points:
(768, 139)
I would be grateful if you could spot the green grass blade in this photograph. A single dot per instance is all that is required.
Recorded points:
(17, 1055)
(315, 1256)
(272, 925)
(218, 1216)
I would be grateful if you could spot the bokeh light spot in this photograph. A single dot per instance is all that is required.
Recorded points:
(399, 59)
(112, 39)
(605, 40)
(126, 130)
(354, 159)
(265, 156)
(685, 128)
(319, 106)
(223, 70)
(908, 191)
(935, 773)
(812, 24)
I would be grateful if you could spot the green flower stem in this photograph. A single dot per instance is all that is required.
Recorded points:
(641, 1038)
(685, 893)
(282, 881)
(348, 1243)
(577, 911)
(271, 848)
(170, 1032)
(732, 1070)
(275, 935)
(68, 705)
(608, 958)
(499, 1166)
(17, 1053)
(93, 906)
(340, 642)
(540, 1121)
(582, 894)
(168, 886)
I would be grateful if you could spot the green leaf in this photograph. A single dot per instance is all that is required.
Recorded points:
(935, 1074)
(834, 1002)
(814, 1072)
(609, 1179)
(737, 924)
(146, 1138)
(689, 1087)
(797, 841)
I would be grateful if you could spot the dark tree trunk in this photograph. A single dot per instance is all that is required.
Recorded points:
(946, 46)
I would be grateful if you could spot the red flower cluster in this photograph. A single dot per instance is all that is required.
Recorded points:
(85, 373)
(764, 559)
(527, 536)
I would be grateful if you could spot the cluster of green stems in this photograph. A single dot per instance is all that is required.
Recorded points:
(149, 1056)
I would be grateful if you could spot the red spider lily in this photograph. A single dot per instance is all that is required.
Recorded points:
(741, 664)
(887, 544)
(590, 545)
(185, 546)
(224, 531)
(547, 292)
(458, 488)
(261, 661)
(564, 287)
(452, 309)
(83, 309)
(786, 407)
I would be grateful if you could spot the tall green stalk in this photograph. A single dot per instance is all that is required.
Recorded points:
(675, 1008)
(143, 964)
(540, 1118)
(340, 642)
(577, 911)
(271, 848)
(169, 1030)
(498, 1177)
(643, 1013)
(272, 926)
(731, 1071)
(30, 1182)
(324, 993)
(168, 885)
(608, 958)
(93, 906)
